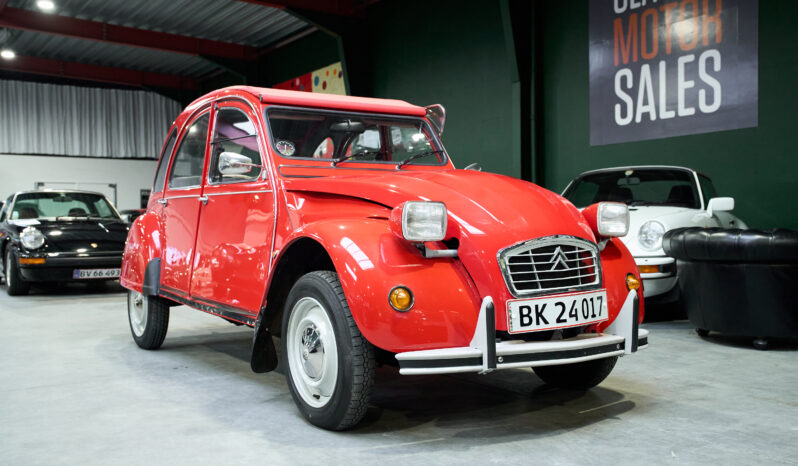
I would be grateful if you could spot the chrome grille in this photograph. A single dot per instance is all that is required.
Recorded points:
(551, 264)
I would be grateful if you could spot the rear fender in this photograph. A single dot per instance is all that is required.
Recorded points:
(142, 249)
(370, 261)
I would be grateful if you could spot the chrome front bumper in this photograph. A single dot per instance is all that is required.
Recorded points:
(655, 284)
(484, 354)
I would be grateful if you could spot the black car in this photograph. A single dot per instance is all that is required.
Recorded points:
(58, 236)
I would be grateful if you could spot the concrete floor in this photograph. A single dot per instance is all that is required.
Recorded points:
(75, 389)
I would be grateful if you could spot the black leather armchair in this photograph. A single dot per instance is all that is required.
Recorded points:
(738, 282)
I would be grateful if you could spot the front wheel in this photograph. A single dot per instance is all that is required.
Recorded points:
(16, 286)
(578, 376)
(329, 364)
(148, 317)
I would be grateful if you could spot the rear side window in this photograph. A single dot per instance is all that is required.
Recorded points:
(187, 167)
(166, 155)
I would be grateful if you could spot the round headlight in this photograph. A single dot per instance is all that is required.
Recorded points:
(31, 238)
(650, 235)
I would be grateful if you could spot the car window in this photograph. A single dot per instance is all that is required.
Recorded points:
(707, 188)
(646, 186)
(61, 204)
(235, 133)
(166, 155)
(368, 138)
(187, 167)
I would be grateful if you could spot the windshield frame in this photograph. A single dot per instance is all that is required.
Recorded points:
(13, 203)
(691, 174)
(435, 139)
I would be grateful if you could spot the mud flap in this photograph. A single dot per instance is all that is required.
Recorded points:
(264, 353)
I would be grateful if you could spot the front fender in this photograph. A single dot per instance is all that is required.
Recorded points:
(370, 261)
(144, 243)
(616, 263)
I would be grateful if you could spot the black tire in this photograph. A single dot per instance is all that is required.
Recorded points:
(343, 406)
(702, 332)
(15, 285)
(578, 376)
(148, 317)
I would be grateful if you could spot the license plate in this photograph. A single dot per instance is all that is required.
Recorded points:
(88, 274)
(558, 311)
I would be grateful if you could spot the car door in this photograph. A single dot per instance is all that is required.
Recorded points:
(236, 222)
(181, 206)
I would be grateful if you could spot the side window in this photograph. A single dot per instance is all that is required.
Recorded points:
(166, 155)
(707, 188)
(187, 167)
(235, 133)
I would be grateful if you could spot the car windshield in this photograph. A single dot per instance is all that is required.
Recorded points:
(52, 205)
(348, 137)
(647, 186)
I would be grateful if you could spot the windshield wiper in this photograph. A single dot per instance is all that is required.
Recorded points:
(351, 156)
(416, 156)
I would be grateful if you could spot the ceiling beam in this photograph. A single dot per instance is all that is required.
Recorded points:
(330, 7)
(27, 20)
(106, 74)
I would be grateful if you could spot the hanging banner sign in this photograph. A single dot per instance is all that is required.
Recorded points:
(669, 68)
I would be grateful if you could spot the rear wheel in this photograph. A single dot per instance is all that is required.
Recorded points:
(329, 364)
(578, 376)
(16, 286)
(148, 317)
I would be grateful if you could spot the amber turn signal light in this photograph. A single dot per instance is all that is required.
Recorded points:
(401, 298)
(31, 260)
(648, 268)
(632, 282)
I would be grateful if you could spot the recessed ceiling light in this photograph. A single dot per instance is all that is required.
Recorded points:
(8, 54)
(45, 5)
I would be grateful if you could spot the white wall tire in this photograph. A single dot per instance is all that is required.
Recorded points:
(148, 317)
(329, 365)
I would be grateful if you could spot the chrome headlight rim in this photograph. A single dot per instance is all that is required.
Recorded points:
(411, 233)
(650, 235)
(31, 238)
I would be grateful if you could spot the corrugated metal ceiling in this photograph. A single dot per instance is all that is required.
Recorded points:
(221, 20)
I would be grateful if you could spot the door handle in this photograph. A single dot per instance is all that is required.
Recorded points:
(163, 201)
(203, 199)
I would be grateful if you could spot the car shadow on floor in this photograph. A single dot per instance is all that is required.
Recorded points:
(471, 408)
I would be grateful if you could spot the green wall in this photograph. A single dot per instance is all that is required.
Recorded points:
(452, 53)
(757, 166)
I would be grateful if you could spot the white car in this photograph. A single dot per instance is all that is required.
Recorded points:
(660, 198)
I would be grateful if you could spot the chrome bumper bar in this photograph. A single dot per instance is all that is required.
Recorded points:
(484, 354)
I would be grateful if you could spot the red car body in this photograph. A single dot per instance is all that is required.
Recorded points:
(226, 255)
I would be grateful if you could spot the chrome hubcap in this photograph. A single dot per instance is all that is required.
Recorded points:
(6, 266)
(137, 311)
(311, 352)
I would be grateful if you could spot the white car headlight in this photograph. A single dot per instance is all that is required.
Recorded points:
(424, 221)
(612, 219)
(31, 238)
(650, 235)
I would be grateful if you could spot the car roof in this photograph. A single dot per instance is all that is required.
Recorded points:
(314, 99)
(636, 167)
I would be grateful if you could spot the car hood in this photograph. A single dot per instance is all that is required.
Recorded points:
(669, 216)
(479, 204)
(79, 236)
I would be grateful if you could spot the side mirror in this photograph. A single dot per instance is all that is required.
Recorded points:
(474, 166)
(437, 115)
(720, 204)
(231, 163)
